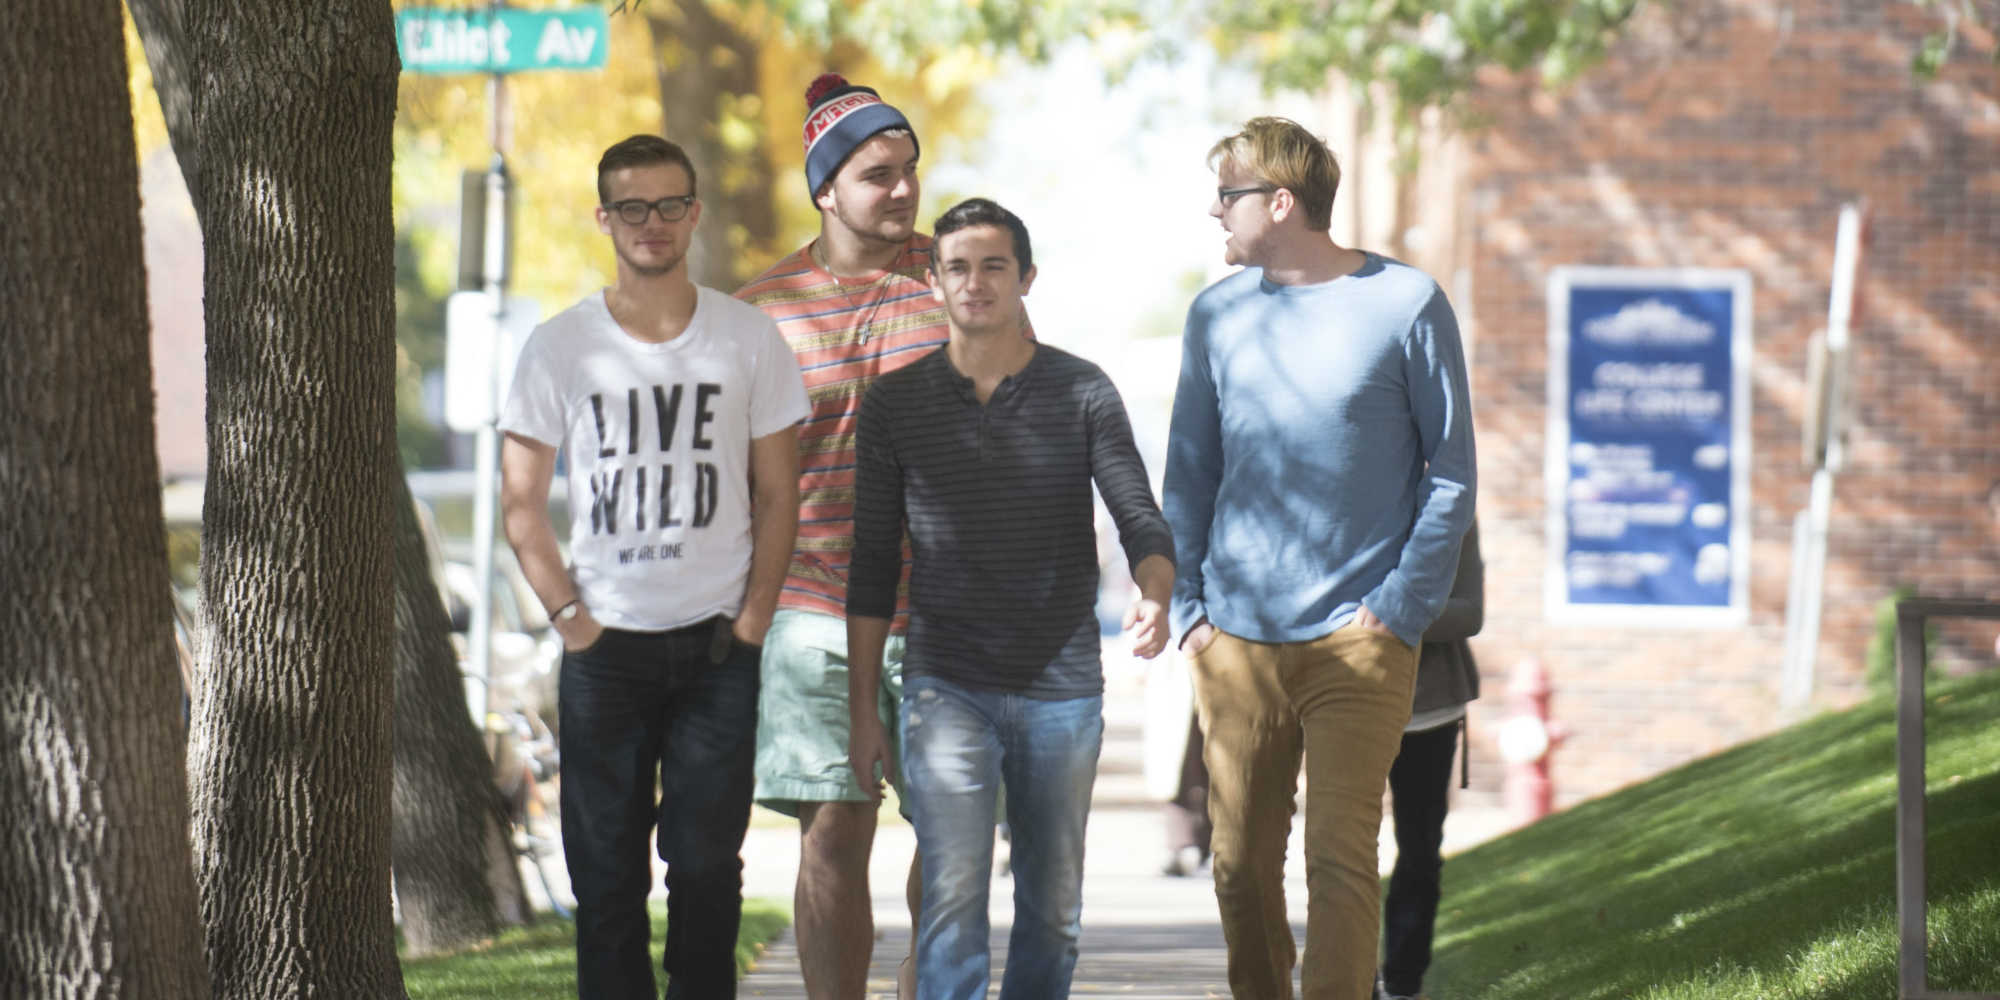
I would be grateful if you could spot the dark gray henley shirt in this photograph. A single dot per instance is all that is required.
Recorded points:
(996, 499)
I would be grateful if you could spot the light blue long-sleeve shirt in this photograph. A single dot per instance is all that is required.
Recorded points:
(1321, 454)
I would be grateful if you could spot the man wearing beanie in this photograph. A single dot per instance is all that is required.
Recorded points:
(854, 305)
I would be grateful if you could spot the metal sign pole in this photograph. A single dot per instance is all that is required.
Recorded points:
(486, 442)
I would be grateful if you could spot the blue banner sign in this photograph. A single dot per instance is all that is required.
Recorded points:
(502, 40)
(1649, 446)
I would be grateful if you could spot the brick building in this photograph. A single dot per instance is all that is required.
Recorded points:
(1728, 134)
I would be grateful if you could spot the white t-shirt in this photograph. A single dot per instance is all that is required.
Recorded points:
(658, 438)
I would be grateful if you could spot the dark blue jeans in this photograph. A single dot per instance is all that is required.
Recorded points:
(680, 709)
(960, 745)
(1418, 783)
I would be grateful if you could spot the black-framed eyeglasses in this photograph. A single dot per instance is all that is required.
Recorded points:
(635, 211)
(1225, 195)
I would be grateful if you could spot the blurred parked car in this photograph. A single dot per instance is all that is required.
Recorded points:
(525, 650)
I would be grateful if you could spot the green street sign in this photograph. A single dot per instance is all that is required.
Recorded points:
(501, 41)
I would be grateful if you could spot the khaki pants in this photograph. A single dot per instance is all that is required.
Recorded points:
(1342, 701)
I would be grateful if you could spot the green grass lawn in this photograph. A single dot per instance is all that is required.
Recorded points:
(1767, 871)
(539, 962)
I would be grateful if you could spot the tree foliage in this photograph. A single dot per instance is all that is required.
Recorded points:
(1958, 16)
(1423, 54)
(906, 34)
(561, 122)
(1417, 54)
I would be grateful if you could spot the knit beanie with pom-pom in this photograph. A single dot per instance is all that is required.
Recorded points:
(843, 116)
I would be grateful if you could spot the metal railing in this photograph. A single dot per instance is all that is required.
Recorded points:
(1911, 906)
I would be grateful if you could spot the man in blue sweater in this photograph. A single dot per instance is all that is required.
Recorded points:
(1319, 478)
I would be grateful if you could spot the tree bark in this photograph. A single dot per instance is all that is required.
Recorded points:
(446, 768)
(294, 101)
(705, 65)
(97, 894)
(447, 814)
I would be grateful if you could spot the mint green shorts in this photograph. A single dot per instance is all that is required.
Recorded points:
(802, 713)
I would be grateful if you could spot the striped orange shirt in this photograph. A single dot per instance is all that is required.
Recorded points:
(846, 332)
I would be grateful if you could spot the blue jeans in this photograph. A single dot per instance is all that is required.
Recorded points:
(959, 746)
(638, 708)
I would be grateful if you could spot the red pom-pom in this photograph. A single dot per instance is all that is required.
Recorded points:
(826, 84)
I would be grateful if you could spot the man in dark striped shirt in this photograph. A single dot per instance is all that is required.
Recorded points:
(985, 451)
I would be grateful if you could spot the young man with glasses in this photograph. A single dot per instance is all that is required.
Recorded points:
(853, 304)
(1319, 479)
(678, 408)
(985, 450)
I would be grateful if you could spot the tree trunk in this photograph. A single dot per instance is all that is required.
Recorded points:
(290, 761)
(447, 812)
(706, 66)
(97, 894)
(447, 769)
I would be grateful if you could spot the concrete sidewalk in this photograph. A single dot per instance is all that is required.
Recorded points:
(1145, 935)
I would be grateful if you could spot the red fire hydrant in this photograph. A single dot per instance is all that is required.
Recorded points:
(1527, 738)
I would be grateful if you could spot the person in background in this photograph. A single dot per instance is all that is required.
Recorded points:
(1188, 828)
(1420, 779)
